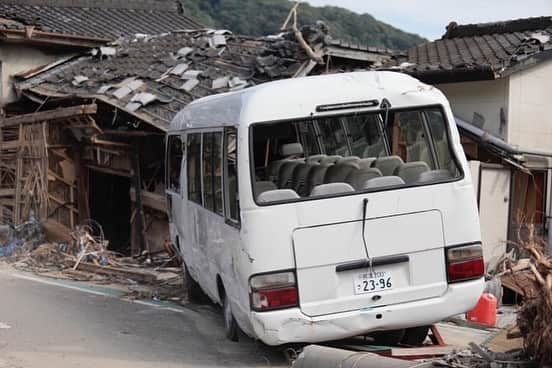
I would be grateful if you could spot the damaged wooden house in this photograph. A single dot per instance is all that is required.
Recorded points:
(89, 133)
(497, 79)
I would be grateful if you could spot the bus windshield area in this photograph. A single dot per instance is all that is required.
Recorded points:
(341, 154)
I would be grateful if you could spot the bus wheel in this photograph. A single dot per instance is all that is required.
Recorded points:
(415, 336)
(230, 324)
(195, 294)
(388, 338)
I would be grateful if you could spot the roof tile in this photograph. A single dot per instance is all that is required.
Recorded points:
(95, 18)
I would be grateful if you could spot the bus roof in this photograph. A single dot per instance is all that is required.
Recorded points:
(299, 97)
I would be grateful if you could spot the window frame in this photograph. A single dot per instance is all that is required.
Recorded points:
(168, 161)
(312, 119)
(227, 215)
(202, 132)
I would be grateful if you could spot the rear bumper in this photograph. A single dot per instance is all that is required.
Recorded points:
(291, 325)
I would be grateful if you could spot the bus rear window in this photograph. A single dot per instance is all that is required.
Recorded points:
(351, 153)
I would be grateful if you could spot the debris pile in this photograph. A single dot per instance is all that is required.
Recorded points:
(531, 277)
(87, 258)
(479, 357)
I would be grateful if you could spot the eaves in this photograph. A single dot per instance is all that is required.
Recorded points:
(143, 115)
(29, 35)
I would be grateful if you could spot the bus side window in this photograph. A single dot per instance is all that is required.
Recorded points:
(212, 172)
(174, 158)
(193, 159)
(231, 175)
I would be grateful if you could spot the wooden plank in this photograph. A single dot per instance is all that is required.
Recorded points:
(107, 170)
(49, 115)
(133, 274)
(422, 353)
(9, 145)
(7, 192)
(436, 337)
(151, 200)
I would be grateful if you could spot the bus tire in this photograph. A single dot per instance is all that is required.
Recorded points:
(195, 294)
(230, 325)
(415, 336)
(388, 338)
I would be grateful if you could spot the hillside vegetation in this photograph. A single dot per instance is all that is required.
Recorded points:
(263, 17)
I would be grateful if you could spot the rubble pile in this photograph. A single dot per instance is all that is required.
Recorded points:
(87, 258)
(479, 357)
(531, 277)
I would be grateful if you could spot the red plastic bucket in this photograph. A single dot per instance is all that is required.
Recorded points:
(484, 312)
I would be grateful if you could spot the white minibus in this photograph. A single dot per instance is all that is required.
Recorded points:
(325, 207)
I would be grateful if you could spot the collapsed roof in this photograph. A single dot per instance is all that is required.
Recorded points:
(480, 51)
(154, 77)
(99, 20)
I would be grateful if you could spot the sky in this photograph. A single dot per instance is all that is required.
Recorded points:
(428, 18)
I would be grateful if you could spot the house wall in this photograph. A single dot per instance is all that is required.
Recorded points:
(486, 98)
(529, 115)
(17, 58)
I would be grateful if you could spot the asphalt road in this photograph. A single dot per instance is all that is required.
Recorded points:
(46, 323)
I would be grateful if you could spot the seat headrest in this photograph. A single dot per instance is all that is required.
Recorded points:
(411, 171)
(315, 159)
(291, 149)
(348, 160)
(329, 160)
(434, 175)
(383, 181)
(277, 195)
(264, 186)
(387, 164)
(332, 188)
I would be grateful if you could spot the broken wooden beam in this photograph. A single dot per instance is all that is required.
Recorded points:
(133, 274)
(49, 115)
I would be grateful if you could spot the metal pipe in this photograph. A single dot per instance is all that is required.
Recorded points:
(314, 356)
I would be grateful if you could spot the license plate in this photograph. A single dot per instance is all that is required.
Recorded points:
(368, 282)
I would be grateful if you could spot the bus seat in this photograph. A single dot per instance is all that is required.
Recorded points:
(285, 176)
(329, 160)
(384, 181)
(273, 169)
(331, 188)
(366, 163)
(411, 171)
(291, 150)
(434, 175)
(359, 177)
(300, 175)
(315, 159)
(316, 176)
(348, 159)
(264, 186)
(339, 172)
(277, 195)
(388, 164)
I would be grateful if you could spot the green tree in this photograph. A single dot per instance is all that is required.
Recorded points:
(263, 17)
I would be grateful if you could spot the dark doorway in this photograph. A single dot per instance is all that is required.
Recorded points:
(110, 206)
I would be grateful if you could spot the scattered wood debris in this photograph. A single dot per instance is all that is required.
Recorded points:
(87, 258)
(531, 277)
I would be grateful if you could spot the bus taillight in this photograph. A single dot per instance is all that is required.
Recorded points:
(465, 263)
(273, 291)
